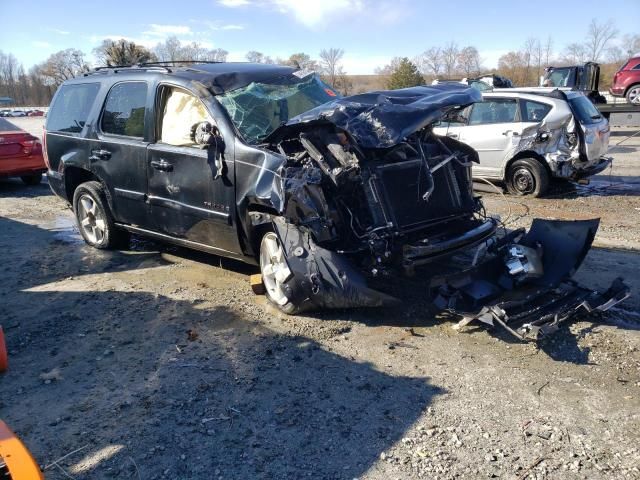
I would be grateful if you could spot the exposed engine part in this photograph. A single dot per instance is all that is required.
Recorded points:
(524, 262)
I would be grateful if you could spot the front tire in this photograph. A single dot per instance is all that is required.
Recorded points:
(94, 217)
(275, 273)
(527, 176)
(34, 179)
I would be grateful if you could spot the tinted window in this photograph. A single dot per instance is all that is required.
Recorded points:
(493, 111)
(535, 111)
(584, 110)
(124, 109)
(637, 67)
(71, 107)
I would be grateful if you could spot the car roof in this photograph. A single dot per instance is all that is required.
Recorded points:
(515, 93)
(219, 77)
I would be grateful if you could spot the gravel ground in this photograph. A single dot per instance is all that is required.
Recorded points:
(158, 362)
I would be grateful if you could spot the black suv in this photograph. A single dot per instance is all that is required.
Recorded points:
(267, 164)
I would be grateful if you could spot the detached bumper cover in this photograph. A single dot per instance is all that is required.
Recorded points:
(530, 305)
(602, 165)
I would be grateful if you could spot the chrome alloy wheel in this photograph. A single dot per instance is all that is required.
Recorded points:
(91, 219)
(634, 95)
(274, 268)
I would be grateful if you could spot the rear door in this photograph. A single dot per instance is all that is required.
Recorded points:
(118, 154)
(492, 128)
(190, 195)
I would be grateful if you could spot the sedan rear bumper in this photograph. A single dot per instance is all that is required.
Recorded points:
(603, 164)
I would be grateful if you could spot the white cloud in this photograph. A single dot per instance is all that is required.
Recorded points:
(314, 13)
(58, 31)
(163, 30)
(234, 3)
(232, 27)
(40, 44)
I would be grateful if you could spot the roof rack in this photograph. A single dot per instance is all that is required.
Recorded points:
(145, 66)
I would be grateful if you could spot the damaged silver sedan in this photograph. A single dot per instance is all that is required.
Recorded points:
(526, 137)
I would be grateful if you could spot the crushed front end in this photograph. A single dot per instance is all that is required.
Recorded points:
(369, 194)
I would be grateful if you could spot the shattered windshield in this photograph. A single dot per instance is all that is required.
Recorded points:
(259, 108)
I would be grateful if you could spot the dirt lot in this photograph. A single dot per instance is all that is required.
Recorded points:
(160, 363)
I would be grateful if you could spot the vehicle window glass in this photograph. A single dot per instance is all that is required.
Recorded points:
(535, 111)
(71, 107)
(584, 110)
(124, 109)
(180, 113)
(493, 111)
(637, 67)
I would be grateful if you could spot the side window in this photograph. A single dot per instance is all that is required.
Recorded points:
(534, 111)
(637, 67)
(499, 110)
(180, 112)
(70, 109)
(123, 112)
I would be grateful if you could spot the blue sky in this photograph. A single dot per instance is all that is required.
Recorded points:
(370, 31)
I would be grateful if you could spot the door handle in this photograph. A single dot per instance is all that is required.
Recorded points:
(162, 165)
(513, 133)
(452, 135)
(99, 154)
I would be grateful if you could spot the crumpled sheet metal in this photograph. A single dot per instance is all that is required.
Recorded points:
(560, 156)
(322, 278)
(385, 118)
(530, 309)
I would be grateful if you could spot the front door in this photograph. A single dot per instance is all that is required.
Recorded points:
(189, 195)
(493, 128)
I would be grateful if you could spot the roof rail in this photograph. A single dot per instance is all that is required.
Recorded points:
(171, 62)
(127, 68)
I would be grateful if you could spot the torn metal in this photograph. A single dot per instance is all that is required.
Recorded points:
(360, 191)
(524, 284)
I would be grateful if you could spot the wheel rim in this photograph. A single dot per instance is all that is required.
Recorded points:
(91, 219)
(523, 181)
(634, 95)
(274, 268)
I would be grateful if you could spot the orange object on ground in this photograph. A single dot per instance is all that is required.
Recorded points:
(15, 458)
(4, 360)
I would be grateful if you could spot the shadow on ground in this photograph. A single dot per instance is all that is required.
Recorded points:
(158, 387)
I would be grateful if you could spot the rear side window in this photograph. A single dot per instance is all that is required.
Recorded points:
(71, 107)
(499, 110)
(584, 110)
(124, 109)
(534, 111)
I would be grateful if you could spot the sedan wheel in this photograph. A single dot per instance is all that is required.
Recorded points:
(274, 268)
(523, 181)
(633, 95)
(91, 219)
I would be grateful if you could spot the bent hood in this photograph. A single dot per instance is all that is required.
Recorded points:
(383, 118)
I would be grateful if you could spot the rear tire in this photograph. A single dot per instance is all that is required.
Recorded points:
(94, 218)
(633, 94)
(527, 176)
(275, 273)
(34, 179)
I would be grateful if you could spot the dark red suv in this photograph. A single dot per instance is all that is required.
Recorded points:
(626, 81)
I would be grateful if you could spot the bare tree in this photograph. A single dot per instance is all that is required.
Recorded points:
(63, 65)
(254, 57)
(575, 53)
(302, 61)
(450, 58)
(389, 68)
(170, 50)
(216, 55)
(469, 61)
(331, 65)
(598, 37)
(632, 44)
(548, 51)
(121, 52)
(430, 61)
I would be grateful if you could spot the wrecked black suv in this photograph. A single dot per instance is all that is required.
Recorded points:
(329, 195)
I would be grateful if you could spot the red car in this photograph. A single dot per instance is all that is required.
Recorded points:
(626, 81)
(35, 113)
(21, 156)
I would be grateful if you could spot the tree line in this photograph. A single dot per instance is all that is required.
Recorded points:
(449, 60)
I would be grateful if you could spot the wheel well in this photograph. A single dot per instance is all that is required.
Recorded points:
(630, 87)
(258, 223)
(527, 154)
(74, 176)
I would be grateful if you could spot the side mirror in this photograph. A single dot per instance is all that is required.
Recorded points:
(204, 134)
